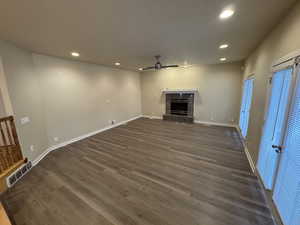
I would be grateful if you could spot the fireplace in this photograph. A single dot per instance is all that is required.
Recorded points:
(179, 107)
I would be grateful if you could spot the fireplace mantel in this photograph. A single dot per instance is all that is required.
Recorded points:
(180, 91)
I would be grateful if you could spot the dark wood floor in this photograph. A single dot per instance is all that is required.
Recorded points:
(148, 172)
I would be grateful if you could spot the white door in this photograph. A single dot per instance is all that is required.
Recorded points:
(274, 127)
(243, 105)
(287, 188)
(246, 106)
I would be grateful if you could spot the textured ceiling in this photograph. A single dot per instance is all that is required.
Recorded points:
(133, 31)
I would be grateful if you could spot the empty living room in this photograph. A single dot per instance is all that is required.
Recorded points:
(141, 112)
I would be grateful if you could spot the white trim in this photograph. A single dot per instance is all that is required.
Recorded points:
(250, 160)
(196, 121)
(50, 149)
(41, 156)
(180, 91)
(152, 117)
(287, 60)
(252, 165)
(215, 123)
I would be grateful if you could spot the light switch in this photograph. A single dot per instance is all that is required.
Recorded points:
(25, 120)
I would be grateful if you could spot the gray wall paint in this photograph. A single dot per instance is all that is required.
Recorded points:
(219, 90)
(25, 94)
(2, 110)
(281, 41)
(64, 98)
(80, 98)
(218, 85)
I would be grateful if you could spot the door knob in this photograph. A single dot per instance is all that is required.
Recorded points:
(278, 148)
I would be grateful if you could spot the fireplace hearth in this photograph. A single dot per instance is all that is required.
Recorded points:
(180, 107)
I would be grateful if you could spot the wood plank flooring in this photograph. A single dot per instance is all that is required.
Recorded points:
(148, 172)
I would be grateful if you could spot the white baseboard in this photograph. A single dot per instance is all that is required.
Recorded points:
(153, 117)
(252, 164)
(209, 123)
(50, 149)
(196, 121)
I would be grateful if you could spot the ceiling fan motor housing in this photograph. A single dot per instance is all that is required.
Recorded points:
(158, 66)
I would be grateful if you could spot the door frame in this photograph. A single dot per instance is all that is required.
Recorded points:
(296, 81)
(278, 68)
(250, 77)
(289, 105)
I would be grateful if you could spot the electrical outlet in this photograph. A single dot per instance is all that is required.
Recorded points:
(32, 148)
(24, 120)
(56, 139)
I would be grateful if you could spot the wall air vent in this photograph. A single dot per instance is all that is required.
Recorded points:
(18, 174)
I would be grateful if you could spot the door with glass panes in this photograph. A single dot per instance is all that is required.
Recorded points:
(246, 106)
(287, 187)
(274, 127)
(279, 158)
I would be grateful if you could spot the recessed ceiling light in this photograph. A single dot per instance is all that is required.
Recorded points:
(226, 14)
(223, 59)
(224, 46)
(75, 54)
(117, 64)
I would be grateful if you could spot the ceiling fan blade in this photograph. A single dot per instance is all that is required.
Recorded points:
(149, 68)
(169, 66)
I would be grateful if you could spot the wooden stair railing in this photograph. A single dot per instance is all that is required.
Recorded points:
(10, 150)
(4, 219)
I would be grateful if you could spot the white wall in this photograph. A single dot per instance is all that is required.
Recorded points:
(80, 98)
(219, 88)
(2, 110)
(25, 95)
(281, 41)
(5, 102)
(64, 98)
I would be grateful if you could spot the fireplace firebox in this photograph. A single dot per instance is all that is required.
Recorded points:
(179, 107)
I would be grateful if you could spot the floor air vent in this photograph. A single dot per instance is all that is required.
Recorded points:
(18, 174)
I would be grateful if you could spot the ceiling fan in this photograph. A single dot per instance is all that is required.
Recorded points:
(158, 65)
